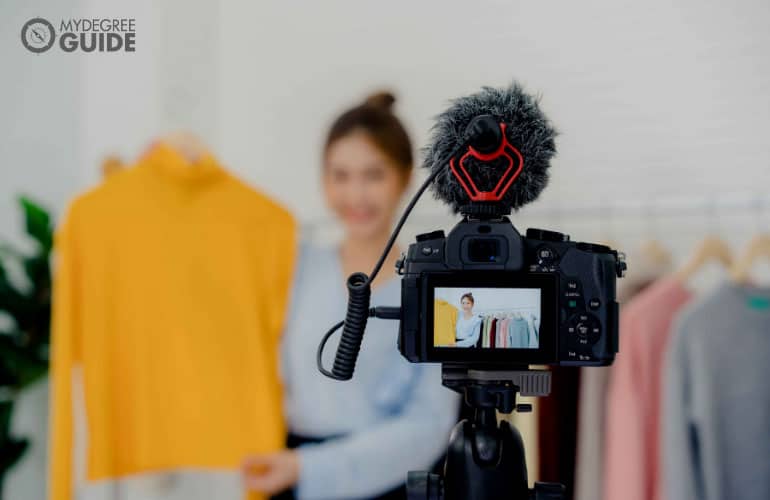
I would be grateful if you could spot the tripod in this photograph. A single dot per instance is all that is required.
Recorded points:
(485, 460)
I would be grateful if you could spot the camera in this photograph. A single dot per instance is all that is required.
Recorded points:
(555, 298)
(486, 302)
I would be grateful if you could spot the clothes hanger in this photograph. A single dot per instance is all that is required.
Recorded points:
(758, 247)
(657, 254)
(111, 164)
(652, 249)
(606, 227)
(189, 145)
(711, 248)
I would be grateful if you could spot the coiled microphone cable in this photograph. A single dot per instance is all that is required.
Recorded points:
(359, 294)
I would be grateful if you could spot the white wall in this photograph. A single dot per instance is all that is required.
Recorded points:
(40, 110)
(653, 99)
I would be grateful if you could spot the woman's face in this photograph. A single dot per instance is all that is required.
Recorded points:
(467, 305)
(362, 185)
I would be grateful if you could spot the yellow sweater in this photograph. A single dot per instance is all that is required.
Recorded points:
(171, 288)
(444, 323)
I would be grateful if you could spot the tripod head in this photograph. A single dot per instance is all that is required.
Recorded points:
(485, 460)
(496, 388)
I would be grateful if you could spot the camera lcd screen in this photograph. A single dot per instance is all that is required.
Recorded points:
(486, 318)
(511, 319)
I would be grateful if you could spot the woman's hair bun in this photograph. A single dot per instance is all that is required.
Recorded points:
(383, 100)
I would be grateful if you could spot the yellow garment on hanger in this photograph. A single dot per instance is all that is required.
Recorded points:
(171, 287)
(444, 323)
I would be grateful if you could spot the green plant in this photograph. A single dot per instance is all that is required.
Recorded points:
(25, 335)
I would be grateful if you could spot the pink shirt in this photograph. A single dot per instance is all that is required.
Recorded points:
(633, 400)
(502, 333)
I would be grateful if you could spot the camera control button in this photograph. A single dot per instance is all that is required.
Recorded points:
(545, 256)
(584, 328)
(400, 264)
(594, 303)
(573, 289)
(546, 235)
(593, 247)
(434, 235)
(595, 334)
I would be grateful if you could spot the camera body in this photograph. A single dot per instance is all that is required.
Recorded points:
(485, 295)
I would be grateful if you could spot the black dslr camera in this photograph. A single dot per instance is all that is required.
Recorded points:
(554, 299)
(487, 295)
(486, 302)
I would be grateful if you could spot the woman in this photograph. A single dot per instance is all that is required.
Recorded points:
(355, 439)
(468, 326)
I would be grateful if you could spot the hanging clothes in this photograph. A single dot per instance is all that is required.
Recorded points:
(482, 327)
(484, 337)
(594, 380)
(634, 392)
(518, 333)
(534, 334)
(444, 323)
(503, 331)
(170, 292)
(557, 428)
(501, 338)
(716, 404)
(493, 332)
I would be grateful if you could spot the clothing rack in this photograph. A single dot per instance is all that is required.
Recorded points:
(681, 205)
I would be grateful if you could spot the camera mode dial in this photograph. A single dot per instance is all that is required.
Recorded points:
(546, 235)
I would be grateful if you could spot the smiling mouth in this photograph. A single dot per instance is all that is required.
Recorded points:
(360, 216)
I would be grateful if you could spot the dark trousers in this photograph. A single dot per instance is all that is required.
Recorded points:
(295, 441)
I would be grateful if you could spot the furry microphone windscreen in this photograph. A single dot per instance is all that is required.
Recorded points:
(527, 129)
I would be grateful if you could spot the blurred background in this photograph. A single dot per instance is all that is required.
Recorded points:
(663, 110)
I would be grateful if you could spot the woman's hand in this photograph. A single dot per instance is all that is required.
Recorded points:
(271, 473)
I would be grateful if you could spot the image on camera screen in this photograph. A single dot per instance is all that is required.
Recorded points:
(486, 318)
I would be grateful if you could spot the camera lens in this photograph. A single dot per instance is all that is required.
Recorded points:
(483, 250)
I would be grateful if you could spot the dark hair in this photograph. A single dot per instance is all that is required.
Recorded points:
(468, 296)
(375, 117)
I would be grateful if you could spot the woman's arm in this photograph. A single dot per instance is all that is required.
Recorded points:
(378, 458)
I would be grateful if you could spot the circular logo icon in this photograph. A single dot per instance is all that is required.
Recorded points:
(38, 35)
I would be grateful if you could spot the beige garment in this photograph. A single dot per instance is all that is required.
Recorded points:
(589, 455)
(594, 381)
(526, 423)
